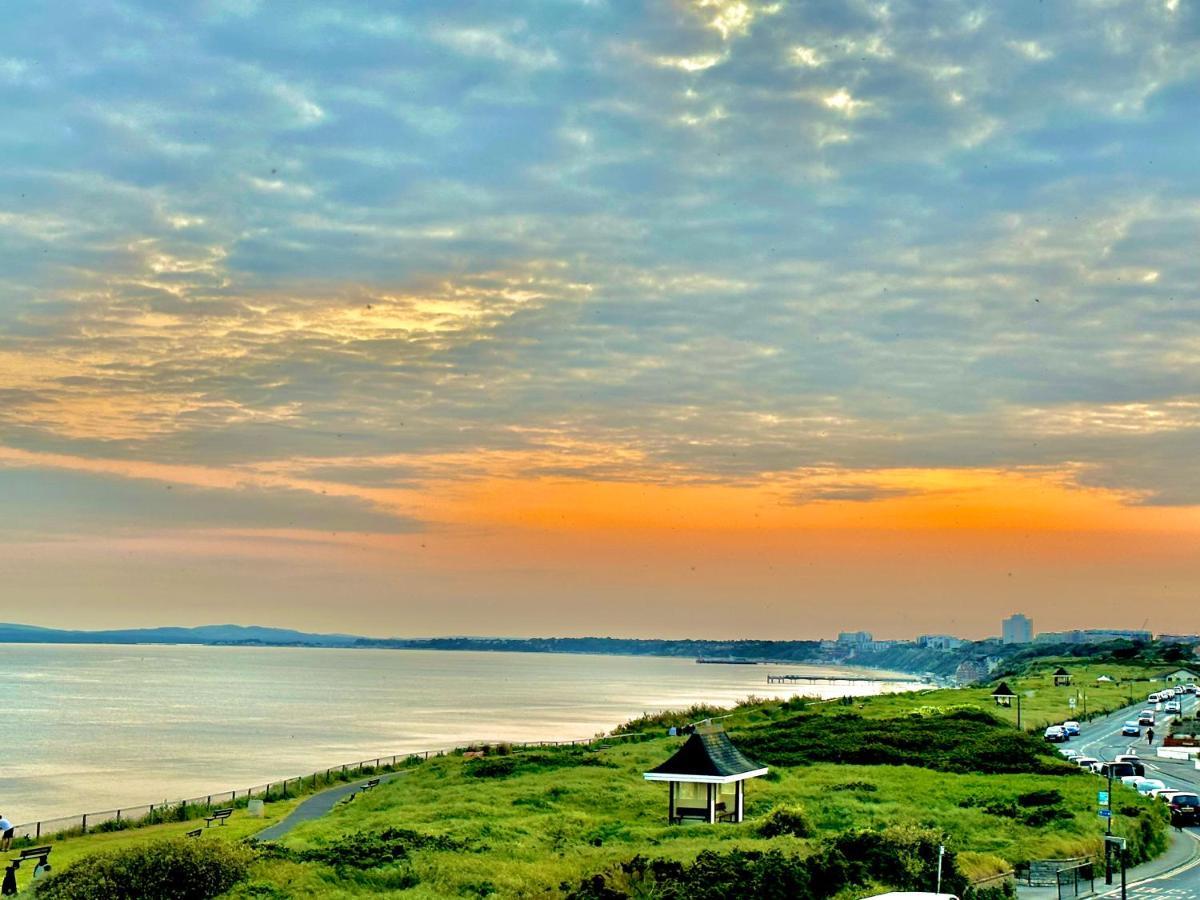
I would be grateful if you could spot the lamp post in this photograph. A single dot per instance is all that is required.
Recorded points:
(1108, 833)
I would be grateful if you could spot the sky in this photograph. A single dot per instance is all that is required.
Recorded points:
(691, 318)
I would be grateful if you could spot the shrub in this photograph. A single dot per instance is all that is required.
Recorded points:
(372, 849)
(904, 858)
(969, 741)
(864, 786)
(178, 869)
(786, 820)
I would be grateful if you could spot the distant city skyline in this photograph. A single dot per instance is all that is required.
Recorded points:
(712, 318)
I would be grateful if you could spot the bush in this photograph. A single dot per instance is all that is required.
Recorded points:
(786, 820)
(903, 858)
(177, 869)
(967, 741)
(370, 849)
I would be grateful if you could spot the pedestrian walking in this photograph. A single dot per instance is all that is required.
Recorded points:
(6, 834)
(1149, 737)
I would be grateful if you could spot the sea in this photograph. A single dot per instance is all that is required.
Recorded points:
(97, 727)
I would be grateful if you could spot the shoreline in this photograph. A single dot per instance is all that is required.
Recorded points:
(243, 718)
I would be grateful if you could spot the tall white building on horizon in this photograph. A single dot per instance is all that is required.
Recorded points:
(1017, 629)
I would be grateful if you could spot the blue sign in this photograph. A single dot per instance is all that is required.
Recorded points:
(1102, 798)
(1106, 813)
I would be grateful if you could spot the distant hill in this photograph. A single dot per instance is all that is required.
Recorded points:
(205, 634)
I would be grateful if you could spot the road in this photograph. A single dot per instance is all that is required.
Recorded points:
(1102, 739)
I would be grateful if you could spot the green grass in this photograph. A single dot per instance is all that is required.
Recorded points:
(525, 834)
(522, 825)
(1042, 703)
(69, 849)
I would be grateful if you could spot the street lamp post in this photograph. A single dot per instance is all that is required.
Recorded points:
(1108, 873)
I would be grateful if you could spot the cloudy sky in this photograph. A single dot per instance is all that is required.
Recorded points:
(705, 317)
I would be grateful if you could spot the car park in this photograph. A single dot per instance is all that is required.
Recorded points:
(1146, 785)
(1071, 728)
(1131, 728)
(1056, 734)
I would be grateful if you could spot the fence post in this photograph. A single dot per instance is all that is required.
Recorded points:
(209, 801)
(118, 815)
(39, 831)
(85, 823)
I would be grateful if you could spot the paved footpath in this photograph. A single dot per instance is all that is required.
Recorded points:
(1177, 866)
(316, 806)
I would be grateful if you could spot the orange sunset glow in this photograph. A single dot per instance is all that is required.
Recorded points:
(719, 319)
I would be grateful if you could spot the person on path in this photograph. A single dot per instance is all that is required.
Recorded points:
(6, 834)
(1149, 737)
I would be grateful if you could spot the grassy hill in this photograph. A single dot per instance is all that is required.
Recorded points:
(911, 769)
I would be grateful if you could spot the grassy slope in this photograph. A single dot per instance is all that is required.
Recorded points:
(239, 826)
(534, 830)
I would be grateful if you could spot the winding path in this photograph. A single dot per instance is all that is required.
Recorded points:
(316, 806)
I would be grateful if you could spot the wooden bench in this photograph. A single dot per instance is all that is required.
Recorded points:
(195, 832)
(41, 854)
(372, 783)
(219, 815)
(701, 813)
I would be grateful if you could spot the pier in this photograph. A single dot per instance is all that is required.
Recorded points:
(843, 679)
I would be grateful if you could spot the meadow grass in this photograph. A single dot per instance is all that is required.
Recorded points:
(528, 833)
(526, 824)
(69, 849)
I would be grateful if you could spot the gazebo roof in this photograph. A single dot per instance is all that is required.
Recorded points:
(1061, 671)
(707, 757)
(1003, 690)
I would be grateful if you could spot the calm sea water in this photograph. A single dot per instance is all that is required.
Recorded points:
(85, 728)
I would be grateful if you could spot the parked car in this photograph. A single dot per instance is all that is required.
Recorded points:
(1085, 762)
(1146, 785)
(1071, 728)
(1131, 728)
(1165, 794)
(1153, 697)
(1055, 734)
(1139, 768)
(1146, 717)
(1132, 779)
(1068, 753)
(1189, 688)
(1118, 769)
(1185, 807)
(1178, 690)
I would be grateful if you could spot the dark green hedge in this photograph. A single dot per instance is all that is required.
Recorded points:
(964, 740)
